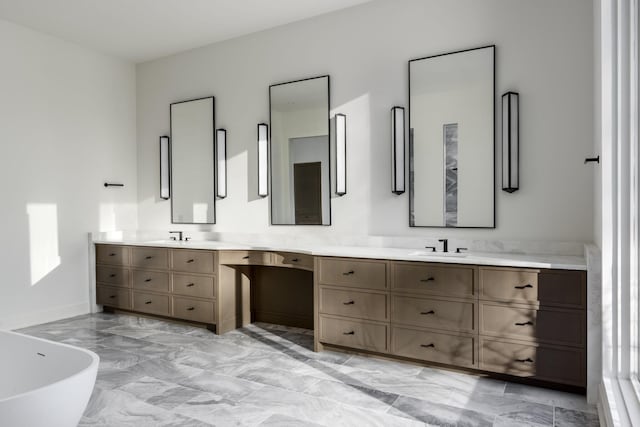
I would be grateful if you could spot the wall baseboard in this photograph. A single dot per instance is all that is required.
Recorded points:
(50, 315)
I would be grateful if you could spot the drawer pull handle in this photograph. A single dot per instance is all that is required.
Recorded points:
(428, 279)
(527, 360)
(112, 275)
(189, 261)
(147, 280)
(295, 260)
(112, 296)
(428, 345)
(191, 308)
(349, 333)
(148, 302)
(245, 257)
(112, 254)
(427, 312)
(351, 302)
(524, 286)
(190, 285)
(527, 323)
(348, 273)
(148, 257)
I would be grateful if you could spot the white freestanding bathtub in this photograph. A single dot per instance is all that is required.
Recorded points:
(43, 383)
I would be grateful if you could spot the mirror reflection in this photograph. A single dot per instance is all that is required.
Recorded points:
(300, 184)
(192, 162)
(451, 144)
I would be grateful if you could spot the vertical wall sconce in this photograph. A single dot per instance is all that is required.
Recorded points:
(341, 154)
(221, 155)
(165, 167)
(263, 159)
(397, 150)
(510, 142)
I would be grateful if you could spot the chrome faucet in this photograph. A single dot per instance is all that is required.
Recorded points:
(445, 244)
(179, 233)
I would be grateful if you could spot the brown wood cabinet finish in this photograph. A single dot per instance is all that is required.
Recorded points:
(353, 333)
(151, 303)
(113, 297)
(245, 257)
(157, 258)
(290, 259)
(433, 313)
(197, 310)
(148, 280)
(112, 255)
(114, 276)
(434, 346)
(192, 261)
(433, 279)
(553, 326)
(353, 273)
(193, 286)
(565, 365)
(351, 303)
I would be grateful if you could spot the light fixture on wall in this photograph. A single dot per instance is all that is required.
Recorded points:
(397, 150)
(221, 156)
(263, 159)
(165, 167)
(510, 142)
(341, 154)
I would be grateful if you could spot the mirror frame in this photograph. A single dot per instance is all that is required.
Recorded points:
(329, 136)
(213, 142)
(411, 160)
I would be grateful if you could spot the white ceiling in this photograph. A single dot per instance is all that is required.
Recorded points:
(141, 30)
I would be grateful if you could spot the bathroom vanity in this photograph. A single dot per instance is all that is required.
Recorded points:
(515, 315)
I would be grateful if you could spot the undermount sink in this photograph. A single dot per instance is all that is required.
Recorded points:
(438, 254)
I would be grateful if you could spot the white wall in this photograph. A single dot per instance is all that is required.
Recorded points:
(544, 51)
(68, 125)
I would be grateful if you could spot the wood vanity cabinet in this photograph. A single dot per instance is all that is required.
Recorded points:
(176, 283)
(522, 322)
(353, 303)
(516, 321)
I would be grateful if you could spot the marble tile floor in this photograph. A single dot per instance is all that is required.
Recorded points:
(157, 373)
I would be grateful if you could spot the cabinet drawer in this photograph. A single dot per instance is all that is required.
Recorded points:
(155, 281)
(113, 297)
(564, 327)
(353, 333)
(192, 261)
(110, 254)
(289, 259)
(150, 257)
(433, 279)
(151, 303)
(433, 313)
(432, 346)
(362, 305)
(557, 364)
(194, 286)
(112, 275)
(353, 273)
(245, 257)
(193, 309)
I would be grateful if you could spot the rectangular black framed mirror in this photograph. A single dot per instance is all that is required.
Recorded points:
(193, 167)
(300, 152)
(452, 139)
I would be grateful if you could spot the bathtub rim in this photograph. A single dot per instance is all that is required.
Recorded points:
(95, 361)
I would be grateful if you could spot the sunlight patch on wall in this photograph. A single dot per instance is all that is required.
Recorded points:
(43, 239)
(107, 217)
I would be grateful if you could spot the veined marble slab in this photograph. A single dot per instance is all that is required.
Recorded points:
(563, 262)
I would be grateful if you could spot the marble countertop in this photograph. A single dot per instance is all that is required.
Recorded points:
(563, 262)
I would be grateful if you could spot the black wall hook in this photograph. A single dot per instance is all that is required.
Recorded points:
(592, 159)
(108, 184)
